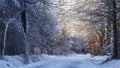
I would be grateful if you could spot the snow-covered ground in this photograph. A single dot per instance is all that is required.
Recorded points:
(70, 61)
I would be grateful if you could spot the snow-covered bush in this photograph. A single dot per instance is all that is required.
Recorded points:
(79, 45)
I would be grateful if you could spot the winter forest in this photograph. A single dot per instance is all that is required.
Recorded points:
(59, 33)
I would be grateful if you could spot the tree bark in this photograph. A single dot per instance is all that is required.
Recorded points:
(23, 18)
(24, 24)
(115, 40)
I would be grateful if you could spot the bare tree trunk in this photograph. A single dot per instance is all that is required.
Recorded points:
(118, 25)
(23, 18)
(108, 33)
(115, 49)
(109, 22)
(24, 24)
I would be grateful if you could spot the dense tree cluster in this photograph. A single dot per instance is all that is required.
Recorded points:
(59, 27)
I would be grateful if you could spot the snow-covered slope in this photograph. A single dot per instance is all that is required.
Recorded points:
(70, 61)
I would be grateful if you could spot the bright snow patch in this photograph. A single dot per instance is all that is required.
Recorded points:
(70, 61)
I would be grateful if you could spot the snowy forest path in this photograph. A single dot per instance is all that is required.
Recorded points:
(80, 61)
